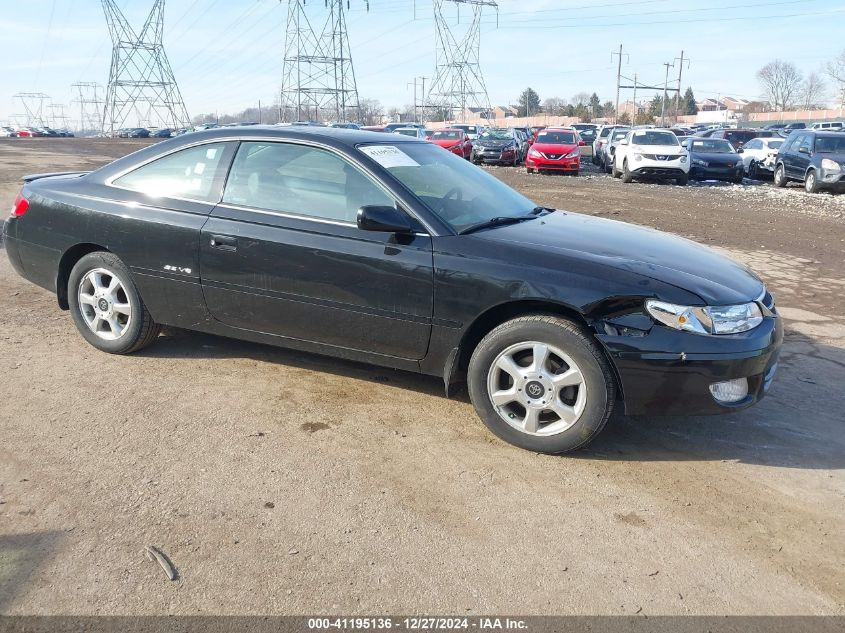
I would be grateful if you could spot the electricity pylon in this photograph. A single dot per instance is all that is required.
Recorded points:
(318, 80)
(141, 83)
(58, 118)
(34, 114)
(90, 106)
(458, 83)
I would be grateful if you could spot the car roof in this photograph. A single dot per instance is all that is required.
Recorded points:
(331, 135)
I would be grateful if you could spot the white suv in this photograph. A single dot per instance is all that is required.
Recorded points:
(654, 153)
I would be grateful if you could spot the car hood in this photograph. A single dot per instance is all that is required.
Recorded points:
(446, 142)
(717, 156)
(653, 254)
(673, 150)
(555, 148)
(493, 143)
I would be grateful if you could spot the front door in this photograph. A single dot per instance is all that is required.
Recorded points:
(282, 254)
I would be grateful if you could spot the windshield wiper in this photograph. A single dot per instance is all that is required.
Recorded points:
(542, 210)
(497, 221)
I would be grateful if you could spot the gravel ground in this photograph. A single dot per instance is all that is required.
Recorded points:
(384, 496)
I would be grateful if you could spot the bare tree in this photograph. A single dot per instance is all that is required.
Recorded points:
(813, 92)
(836, 70)
(371, 112)
(554, 106)
(582, 98)
(781, 82)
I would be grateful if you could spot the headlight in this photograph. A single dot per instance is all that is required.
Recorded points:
(638, 156)
(534, 153)
(699, 162)
(831, 165)
(708, 319)
(573, 153)
(683, 159)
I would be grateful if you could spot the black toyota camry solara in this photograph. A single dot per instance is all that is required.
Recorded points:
(392, 251)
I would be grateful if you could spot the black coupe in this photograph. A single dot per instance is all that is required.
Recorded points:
(393, 252)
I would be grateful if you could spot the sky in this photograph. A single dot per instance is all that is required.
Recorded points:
(227, 54)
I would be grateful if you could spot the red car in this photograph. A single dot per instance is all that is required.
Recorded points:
(534, 132)
(26, 132)
(456, 141)
(555, 149)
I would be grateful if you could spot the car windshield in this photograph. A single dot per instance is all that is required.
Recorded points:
(497, 134)
(618, 136)
(713, 146)
(446, 135)
(830, 145)
(407, 131)
(459, 193)
(651, 137)
(741, 137)
(557, 138)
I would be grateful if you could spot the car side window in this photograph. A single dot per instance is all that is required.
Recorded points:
(300, 180)
(194, 173)
(806, 142)
(753, 144)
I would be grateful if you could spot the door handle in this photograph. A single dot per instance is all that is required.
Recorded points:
(224, 243)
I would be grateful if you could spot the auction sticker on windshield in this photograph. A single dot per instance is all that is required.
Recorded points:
(389, 156)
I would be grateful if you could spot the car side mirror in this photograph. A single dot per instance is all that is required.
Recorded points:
(383, 219)
(739, 150)
(623, 142)
(581, 143)
(803, 150)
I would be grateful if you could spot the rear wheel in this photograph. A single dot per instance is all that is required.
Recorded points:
(780, 176)
(811, 182)
(106, 307)
(541, 383)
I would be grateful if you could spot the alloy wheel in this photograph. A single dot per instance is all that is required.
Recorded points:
(104, 304)
(537, 388)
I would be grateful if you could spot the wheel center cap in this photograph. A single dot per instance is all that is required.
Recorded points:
(535, 389)
(103, 305)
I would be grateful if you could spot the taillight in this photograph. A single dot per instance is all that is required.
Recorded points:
(20, 207)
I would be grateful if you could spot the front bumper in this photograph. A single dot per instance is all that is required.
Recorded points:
(698, 172)
(495, 157)
(563, 164)
(667, 171)
(678, 383)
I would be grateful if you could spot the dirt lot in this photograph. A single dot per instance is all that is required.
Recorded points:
(381, 495)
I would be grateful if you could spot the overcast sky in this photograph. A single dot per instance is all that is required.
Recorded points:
(227, 54)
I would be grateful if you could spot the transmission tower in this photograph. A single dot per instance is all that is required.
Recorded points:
(90, 106)
(141, 87)
(34, 112)
(458, 83)
(318, 80)
(58, 118)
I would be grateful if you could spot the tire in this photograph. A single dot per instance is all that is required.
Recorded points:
(608, 166)
(613, 171)
(587, 404)
(528, 170)
(119, 330)
(682, 181)
(627, 176)
(780, 176)
(753, 171)
(515, 160)
(811, 182)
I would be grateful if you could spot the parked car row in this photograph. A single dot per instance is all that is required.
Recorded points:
(33, 132)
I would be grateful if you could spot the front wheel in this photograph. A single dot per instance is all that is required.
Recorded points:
(627, 176)
(780, 176)
(682, 181)
(106, 307)
(811, 182)
(542, 383)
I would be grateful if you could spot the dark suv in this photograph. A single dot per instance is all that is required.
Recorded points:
(816, 159)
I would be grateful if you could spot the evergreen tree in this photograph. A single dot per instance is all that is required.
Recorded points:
(529, 103)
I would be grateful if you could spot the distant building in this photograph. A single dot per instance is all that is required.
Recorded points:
(734, 103)
(710, 105)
